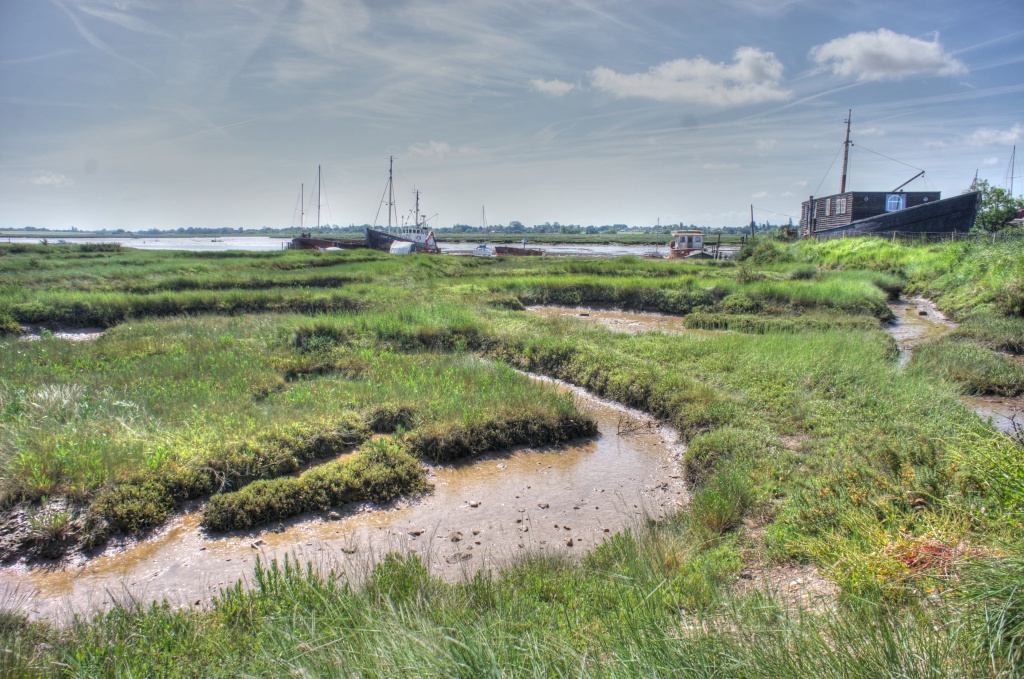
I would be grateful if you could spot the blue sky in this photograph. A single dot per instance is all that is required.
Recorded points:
(151, 113)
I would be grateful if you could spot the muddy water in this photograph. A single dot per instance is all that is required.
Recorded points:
(621, 321)
(481, 514)
(917, 322)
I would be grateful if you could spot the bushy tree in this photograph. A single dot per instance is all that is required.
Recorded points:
(998, 207)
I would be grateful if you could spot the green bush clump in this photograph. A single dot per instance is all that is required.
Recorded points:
(8, 326)
(134, 508)
(707, 451)
(443, 443)
(739, 303)
(388, 418)
(320, 336)
(719, 504)
(378, 472)
(1000, 333)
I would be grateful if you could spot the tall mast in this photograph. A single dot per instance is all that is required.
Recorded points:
(846, 151)
(302, 206)
(417, 223)
(391, 189)
(319, 188)
(1013, 167)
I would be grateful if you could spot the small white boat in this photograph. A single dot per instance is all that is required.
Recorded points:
(484, 250)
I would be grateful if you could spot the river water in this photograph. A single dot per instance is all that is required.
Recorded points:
(481, 514)
(260, 243)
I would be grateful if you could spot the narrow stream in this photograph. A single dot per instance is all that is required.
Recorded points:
(481, 514)
(917, 321)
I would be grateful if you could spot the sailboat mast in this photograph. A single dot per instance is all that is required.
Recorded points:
(319, 189)
(417, 223)
(391, 189)
(302, 206)
(846, 151)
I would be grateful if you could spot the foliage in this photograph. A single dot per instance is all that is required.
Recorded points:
(997, 207)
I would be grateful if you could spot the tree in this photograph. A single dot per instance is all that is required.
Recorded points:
(997, 208)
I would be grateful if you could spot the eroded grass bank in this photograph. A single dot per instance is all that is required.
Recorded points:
(807, 444)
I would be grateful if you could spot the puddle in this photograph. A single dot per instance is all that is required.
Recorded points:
(34, 334)
(622, 321)
(917, 321)
(1001, 410)
(589, 490)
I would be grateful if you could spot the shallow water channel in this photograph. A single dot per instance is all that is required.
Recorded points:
(917, 321)
(480, 514)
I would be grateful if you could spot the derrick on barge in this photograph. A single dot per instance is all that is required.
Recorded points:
(886, 213)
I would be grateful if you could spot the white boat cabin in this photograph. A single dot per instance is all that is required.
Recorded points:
(685, 242)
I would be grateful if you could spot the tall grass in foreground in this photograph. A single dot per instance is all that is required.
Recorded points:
(644, 604)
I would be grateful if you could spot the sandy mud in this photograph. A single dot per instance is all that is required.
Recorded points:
(481, 514)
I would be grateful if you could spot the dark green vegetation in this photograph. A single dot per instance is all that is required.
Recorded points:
(807, 444)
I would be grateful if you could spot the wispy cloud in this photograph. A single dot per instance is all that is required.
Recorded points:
(721, 166)
(47, 178)
(885, 55)
(766, 144)
(988, 136)
(753, 77)
(555, 88)
(434, 149)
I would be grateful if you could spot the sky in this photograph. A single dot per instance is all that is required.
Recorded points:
(140, 114)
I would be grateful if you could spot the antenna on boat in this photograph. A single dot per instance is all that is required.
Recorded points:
(846, 151)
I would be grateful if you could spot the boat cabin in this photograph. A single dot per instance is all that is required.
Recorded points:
(685, 243)
(819, 214)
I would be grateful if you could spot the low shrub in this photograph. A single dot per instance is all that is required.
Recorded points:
(388, 418)
(8, 326)
(707, 451)
(444, 443)
(380, 471)
(319, 336)
(719, 505)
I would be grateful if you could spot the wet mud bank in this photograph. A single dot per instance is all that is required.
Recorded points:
(632, 322)
(916, 321)
(482, 513)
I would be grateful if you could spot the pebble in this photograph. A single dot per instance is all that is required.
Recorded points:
(256, 545)
(334, 516)
(568, 543)
(543, 505)
(456, 536)
(474, 503)
(417, 532)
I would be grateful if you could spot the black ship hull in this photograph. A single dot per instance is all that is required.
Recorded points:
(381, 240)
(946, 216)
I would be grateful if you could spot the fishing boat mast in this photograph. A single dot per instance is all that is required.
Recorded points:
(391, 189)
(846, 151)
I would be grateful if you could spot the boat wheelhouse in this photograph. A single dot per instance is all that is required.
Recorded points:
(685, 243)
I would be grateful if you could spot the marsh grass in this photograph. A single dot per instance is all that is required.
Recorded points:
(886, 457)
(972, 368)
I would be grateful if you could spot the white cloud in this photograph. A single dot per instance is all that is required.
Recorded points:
(871, 132)
(721, 166)
(987, 136)
(787, 194)
(885, 55)
(990, 161)
(434, 149)
(759, 194)
(753, 77)
(555, 88)
(767, 144)
(47, 178)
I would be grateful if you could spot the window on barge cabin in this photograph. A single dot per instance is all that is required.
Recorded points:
(828, 207)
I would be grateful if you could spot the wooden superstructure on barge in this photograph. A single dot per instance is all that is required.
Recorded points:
(896, 212)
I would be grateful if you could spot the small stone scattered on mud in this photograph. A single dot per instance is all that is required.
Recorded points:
(476, 531)
(566, 527)
(416, 532)
(474, 503)
(569, 543)
(256, 545)
(543, 505)
(334, 516)
(456, 536)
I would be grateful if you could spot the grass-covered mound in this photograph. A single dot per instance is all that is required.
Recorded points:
(380, 471)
